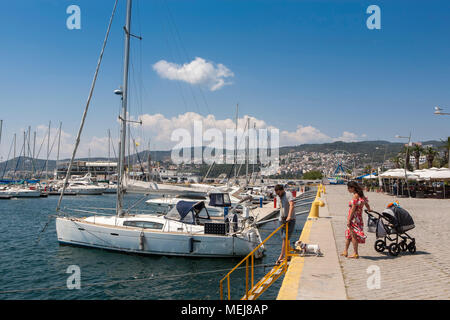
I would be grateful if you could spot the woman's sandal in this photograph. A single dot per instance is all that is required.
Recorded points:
(278, 262)
(344, 254)
(354, 256)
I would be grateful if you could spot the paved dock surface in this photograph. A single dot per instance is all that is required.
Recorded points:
(423, 275)
(311, 277)
(375, 276)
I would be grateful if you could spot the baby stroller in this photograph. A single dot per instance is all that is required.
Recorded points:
(391, 225)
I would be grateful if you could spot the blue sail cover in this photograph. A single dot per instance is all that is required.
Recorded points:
(184, 207)
(188, 212)
(219, 200)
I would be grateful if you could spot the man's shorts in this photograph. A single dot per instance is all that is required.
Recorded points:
(291, 227)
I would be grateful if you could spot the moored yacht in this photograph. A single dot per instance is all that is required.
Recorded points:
(187, 230)
(21, 192)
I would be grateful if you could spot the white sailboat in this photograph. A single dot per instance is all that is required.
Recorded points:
(187, 230)
(109, 187)
(85, 186)
(20, 192)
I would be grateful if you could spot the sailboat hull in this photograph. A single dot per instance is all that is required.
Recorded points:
(24, 193)
(77, 232)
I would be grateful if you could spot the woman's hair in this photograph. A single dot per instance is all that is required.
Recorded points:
(356, 187)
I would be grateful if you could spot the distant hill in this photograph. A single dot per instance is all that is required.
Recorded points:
(368, 148)
(385, 150)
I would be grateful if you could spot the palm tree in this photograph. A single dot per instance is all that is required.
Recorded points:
(446, 147)
(396, 161)
(368, 169)
(431, 153)
(417, 150)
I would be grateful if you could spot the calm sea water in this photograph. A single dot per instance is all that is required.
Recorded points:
(26, 264)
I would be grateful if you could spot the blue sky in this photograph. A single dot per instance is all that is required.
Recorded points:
(312, 64)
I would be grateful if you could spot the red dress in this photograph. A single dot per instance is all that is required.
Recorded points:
(357, 223)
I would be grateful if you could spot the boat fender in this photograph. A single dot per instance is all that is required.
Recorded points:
(246, 212)
(191, 245)
(235, 223)
(141, 241)
(253, 237)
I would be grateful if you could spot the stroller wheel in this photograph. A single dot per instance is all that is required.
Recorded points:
(403, 246)
(412, 247)
(394, 249)
(380, 246)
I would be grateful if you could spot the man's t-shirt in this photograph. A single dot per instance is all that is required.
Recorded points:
(284, 205)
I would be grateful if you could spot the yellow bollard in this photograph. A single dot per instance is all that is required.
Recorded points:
(314, 212)
(319, 191)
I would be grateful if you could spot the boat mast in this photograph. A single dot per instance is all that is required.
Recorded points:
(34, 144)
(59, 144)
(123, 125)
(235, 143)
(109, 154)
(24, 154)
(48, 151)
(247, 151)
(1, 128)
(256, 158)
(149, 160)
(15, 160)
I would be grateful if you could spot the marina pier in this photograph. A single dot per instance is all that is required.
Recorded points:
(422, 275)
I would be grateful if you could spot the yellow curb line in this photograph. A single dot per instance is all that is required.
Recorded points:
(289, 288)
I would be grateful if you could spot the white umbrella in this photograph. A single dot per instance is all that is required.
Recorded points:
(423, 174)
(440, 175)
(388, 173)
(399, 174)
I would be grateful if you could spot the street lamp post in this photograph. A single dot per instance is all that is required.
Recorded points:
(384, 158)
(406, 156)
(371, 163)
(438, 111)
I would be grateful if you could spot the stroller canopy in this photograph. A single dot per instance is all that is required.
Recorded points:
(400, 218)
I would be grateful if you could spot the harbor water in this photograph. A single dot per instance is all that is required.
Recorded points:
(38, 270)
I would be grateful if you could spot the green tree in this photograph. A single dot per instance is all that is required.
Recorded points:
(430, 153)
(396, 161)
(446, 147)
(417, 151)
(312, 175)
(368, 169)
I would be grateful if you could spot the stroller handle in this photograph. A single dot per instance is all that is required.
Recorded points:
(368, 211)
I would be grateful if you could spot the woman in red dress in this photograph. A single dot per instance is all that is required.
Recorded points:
(355, 225)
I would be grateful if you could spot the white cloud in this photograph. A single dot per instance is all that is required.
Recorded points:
(303, 135)
(198, 72)
(160, 129)
(96, 146)
(348, 137)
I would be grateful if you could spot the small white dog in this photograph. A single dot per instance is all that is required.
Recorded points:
(305, 248)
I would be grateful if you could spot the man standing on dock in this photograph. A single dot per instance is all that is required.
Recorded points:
(287, 216)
